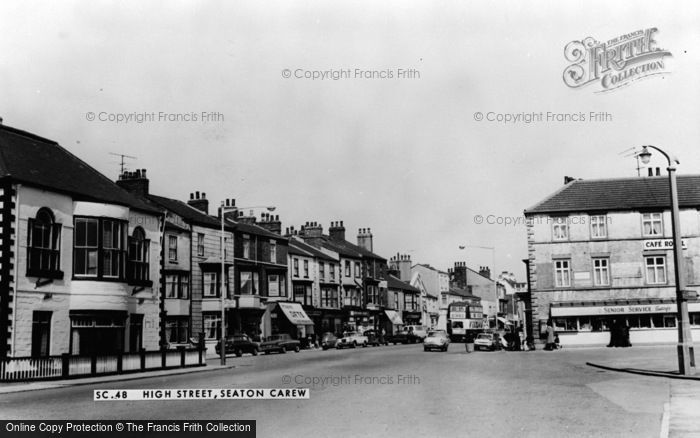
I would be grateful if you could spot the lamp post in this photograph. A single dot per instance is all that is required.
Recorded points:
(222, 341)
(495, 284)
(686, 357)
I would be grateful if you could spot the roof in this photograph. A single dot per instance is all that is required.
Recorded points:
(185, 211)
(394, 283)
(346, 248)
(245, 227)
(427, 266)
(461, 292)
(36, 161)
(299, 247)
(620, 194)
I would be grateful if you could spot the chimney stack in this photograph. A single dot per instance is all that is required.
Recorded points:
(271, 223)
(401, 265)
(485, 271)
(459, 275)
(337, 231)
(364, 239)
(201, 203)
(134, 182)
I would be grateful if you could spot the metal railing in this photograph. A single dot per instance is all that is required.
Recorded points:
(68, 366)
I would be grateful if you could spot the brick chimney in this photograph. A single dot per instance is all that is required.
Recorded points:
(201, 203)
(401, 263)
(134, 182)
(364, 239)
(485, 271)
(312, 233)
(240, 216)
(337, 231)
(229, 215)
(270, 222)
(459, 275)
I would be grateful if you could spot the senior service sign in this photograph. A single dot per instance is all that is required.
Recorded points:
(614, 63)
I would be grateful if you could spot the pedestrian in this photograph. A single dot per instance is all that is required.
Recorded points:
(550, 345)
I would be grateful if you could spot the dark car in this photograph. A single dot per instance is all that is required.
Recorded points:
(404, 337)
(280, 343)
(328, 340)
(374, 338)
(239, 344)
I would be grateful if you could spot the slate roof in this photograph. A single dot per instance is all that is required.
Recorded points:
(620, 194)
(39, 162)
(394, 283)
(461, 292)
(348, 249)
(185, 211)
(302, 248)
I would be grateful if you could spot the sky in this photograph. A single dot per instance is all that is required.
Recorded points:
(404, 155)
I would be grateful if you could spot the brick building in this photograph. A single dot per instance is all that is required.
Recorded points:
(600, 253)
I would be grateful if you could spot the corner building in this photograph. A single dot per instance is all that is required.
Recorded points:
(600, 253)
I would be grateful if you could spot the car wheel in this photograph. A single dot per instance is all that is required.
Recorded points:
(283, 350)
(254, 352)
(354, 344)
(425, 348)
(296, 349)
(267, 351)
(325, 347)
(364, 345)
(445, 348)
(239, 353)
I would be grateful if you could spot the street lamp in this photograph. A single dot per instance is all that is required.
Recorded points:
(495, 284)
(222, 341)
(686, 357)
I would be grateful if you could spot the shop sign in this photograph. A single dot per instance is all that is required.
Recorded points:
(613, 310)
(662, 244)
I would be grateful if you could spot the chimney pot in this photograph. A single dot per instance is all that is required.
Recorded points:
(227, 203)
(191, 195)
(196, 195)
(204, 195)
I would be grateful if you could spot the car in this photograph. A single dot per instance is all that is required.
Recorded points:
(418, 331)
(239, 344)
(436, 340)
(375, 338)
(328, 340)
(404, 337)
(487, 341)
(352, 340)
(280, 343)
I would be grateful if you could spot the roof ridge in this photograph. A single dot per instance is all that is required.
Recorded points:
(552, 195)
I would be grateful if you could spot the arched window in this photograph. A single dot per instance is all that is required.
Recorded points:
(43, 246)
(138, 271)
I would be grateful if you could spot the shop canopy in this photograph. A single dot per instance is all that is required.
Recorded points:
(295, 313)
(394, 317)
(505, 321)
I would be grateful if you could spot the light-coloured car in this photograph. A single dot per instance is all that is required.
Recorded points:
(436, 340)
(352, 340)
(487, 341)
(418, 331)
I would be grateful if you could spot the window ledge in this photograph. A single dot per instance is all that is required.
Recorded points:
(40, 273)
(144, 283)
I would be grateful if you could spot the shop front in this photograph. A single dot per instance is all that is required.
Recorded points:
(97, 332)
(358, 320)
(332, 321)
(291, 318)
(649, 321)
(411, 317)
(392, 322)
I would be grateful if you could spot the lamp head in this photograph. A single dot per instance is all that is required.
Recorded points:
(645, 155)
(271, 208)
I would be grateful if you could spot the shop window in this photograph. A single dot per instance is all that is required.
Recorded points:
(44, 246)
(669, 320)
(694, 318)
(565, 324)
(135, 332)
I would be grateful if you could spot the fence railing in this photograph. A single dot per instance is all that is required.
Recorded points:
(68, 366)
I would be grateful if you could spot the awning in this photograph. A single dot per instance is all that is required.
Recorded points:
(394, 317)
(505, 321)
(295, 313)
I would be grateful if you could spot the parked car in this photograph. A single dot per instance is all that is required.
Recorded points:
(487, 341)
(328, 340)
(436, 340)
(280, 343)
(352, 340)
(375, 338)
(418, 331)
(239, 344)
(404, 337)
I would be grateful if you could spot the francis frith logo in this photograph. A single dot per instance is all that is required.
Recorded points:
(614, 63)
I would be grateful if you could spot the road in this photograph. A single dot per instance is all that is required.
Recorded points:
(394, 391)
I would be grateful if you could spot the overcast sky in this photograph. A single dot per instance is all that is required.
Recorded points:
(403, 156)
